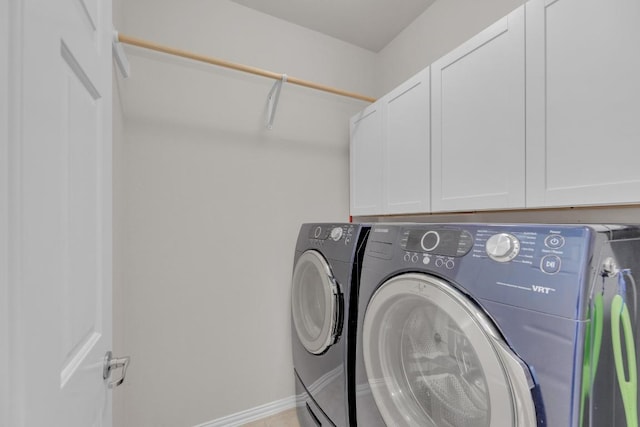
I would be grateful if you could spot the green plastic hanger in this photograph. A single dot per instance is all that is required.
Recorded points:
(619, 315)
(591, 352)
(628, 387)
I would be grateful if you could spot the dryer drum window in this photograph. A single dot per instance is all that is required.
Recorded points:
(314, 302)
(433, 359)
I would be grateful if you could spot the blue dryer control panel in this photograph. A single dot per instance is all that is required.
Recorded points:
(336, 241)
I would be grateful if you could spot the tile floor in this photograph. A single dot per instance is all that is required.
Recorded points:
(283, 419)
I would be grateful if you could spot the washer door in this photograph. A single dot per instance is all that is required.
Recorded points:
(315, 302)
(433, 358)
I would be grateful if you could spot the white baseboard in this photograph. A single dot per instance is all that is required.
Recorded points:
(316, 387)
(254, 414)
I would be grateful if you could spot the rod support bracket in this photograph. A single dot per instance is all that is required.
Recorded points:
(120, 56)
(272, 100)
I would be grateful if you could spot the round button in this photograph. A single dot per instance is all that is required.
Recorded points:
(449, 264)
(439, 262)
(426, 259)
(336, 234)
(554, 241)
(430, 240)
(550, 264)
(317, 232)
(414, 258)
(407, 257)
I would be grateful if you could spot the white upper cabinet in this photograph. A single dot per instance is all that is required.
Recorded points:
(390, 152)
(583, 102)
(366, 161)
(406, 147)
(573, 140)
(478, 121)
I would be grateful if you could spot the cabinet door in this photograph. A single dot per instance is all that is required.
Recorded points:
(366, 161)
(406, 147)
(583, 102)
(478, 129)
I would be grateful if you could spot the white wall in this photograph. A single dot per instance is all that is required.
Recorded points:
(4, 214)
(210, 204)
(207, 202)
(443, 26)
(118, 215)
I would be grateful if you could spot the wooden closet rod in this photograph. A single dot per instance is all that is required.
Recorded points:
(239, 67)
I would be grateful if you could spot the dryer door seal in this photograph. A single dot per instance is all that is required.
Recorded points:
(434, 358)
(315, 302)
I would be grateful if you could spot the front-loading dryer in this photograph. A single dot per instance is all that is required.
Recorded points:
(489, 325)
(326, 272)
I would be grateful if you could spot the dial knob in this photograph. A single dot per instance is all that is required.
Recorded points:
(336, 234)
(502, 247)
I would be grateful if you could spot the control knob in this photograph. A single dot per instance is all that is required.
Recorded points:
(336, 234)
(502, 247)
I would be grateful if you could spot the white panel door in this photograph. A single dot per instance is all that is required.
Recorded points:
(60, 217)
(407, 163)
(583, 102)
(366, 161)
(478, 128)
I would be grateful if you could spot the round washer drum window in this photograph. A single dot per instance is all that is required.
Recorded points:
(434, 359)
(314, 302)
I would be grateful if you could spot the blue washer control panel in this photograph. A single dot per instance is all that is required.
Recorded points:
(541, 267)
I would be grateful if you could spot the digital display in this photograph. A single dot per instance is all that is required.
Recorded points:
(319, 233)
(440, 242)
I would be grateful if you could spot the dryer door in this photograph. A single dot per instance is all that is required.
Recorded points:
(315, 303)
(433, 358)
